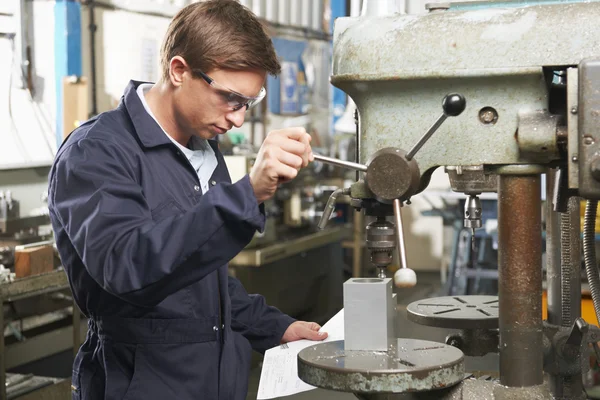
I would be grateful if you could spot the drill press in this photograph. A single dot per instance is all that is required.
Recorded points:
(531, 79)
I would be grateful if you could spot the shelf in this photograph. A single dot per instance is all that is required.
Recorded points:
(34, 285)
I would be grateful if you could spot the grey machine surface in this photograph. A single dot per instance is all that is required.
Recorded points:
(518, 89)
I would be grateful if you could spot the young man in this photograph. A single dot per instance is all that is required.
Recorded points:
(146, 219)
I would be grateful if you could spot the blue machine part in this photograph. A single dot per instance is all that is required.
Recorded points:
(67, 51)
(286, 92)
(338, 9)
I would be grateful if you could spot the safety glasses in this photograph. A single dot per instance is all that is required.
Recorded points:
(232, 99)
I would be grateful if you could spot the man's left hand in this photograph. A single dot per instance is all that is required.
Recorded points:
(303, 330)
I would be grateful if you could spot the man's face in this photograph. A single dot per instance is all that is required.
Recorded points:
(204, 109)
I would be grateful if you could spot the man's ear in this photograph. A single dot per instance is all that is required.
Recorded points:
(177, 67)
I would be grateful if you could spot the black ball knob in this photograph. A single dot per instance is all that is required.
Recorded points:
(454, 104)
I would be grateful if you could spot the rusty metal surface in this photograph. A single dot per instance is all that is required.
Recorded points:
(572, 128)
(469, 389)
(391, 176)
(475, 342)
(397, 69)
(520, 280)
(396, 113)
(537, 134)
(456, 312)
(34, 285)
(589, 129)
(471, 179)
(446, 43)
(258, 257)
(412, 365)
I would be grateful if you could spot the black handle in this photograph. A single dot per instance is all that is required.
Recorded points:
(454, 104)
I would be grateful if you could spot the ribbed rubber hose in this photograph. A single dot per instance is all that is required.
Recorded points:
(589, 253)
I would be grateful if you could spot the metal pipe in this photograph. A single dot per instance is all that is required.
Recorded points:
(330, 206)
(552, 252)
(426, 137)
(340, 163)
(93, 27)
(520, 280)
(400, 233)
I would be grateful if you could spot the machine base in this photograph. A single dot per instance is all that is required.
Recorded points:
(469, 389)
(411, 365)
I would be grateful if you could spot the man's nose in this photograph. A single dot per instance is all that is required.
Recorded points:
(236, 117)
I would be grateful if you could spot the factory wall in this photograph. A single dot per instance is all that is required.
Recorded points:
(27, 137)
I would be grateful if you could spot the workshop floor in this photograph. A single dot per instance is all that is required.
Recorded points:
(429, 286)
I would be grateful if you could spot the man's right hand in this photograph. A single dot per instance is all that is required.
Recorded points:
(283, 153)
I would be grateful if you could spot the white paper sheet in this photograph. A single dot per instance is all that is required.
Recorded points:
(279, 375)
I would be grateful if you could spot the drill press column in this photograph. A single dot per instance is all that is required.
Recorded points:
(520, 280)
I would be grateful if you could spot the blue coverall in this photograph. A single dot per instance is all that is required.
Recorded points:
(146, 254)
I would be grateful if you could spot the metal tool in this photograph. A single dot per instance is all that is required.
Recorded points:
(404, 277)
(473, 217)
(341, 163)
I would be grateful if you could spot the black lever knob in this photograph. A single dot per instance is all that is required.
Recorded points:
(454, 104)
(578, 331)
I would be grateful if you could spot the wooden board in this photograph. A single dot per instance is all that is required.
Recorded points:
(75, 103)
(33, 261)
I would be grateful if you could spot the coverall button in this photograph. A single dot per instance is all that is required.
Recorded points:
(213, 183)
(215, 328)
(196, 188)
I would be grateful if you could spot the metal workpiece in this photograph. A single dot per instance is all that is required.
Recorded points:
(392, 176)
(456, 312)
(369, 314)
(475, 342)
(588, 112)
(410, 365)
(471, 179)
(520, 280)
(537, 134)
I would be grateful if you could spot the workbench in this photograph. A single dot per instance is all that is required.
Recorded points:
(32, 286)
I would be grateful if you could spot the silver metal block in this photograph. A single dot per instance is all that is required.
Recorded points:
(369, 314)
